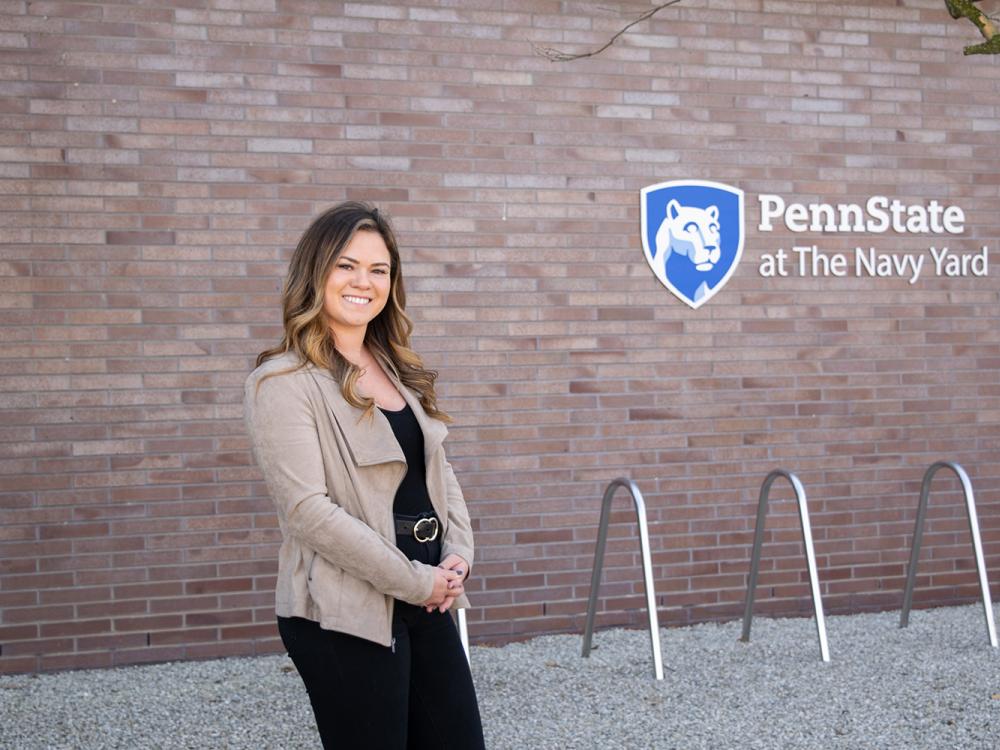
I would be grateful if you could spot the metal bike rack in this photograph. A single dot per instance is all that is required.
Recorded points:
(463, 634)
(758, 539)
(647, 569)
(977, 545)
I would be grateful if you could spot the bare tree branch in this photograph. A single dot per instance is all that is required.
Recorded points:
(965, 8)
(556, 55)
(986, 24)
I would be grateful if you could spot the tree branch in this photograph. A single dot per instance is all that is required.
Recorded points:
(966, 9)
(556, 55)
(986, 24)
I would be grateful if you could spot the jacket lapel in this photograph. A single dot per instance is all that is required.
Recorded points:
(369, 441)
(373, 441)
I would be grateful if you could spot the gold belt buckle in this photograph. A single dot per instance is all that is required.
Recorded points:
(420, 526)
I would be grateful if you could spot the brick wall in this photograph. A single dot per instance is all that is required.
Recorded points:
(159, 162)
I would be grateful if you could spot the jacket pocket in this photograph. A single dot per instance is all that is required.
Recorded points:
(325, 584)
(312, 562)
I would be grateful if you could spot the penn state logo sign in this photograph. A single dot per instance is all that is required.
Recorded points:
(692, 232)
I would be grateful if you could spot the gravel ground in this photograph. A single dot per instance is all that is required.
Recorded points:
(935, 685)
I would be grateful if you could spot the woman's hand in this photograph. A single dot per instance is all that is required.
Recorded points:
(447, 586)
(457, 565)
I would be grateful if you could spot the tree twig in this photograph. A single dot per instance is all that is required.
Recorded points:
(559, 56)
(965, 8)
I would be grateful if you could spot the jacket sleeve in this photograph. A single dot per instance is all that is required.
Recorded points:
(458, 539)
(282, 427)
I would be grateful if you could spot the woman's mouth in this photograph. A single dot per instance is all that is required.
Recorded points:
(357, 300)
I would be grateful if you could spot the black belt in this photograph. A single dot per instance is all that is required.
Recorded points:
(422, 528)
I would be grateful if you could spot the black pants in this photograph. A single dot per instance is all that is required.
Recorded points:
(416, 695)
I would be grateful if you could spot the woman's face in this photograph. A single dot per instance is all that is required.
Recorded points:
(358, 285)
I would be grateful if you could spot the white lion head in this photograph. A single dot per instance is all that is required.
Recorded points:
(691, 232)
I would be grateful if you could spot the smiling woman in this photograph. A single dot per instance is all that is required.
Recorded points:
(358, 286)
(376, 538)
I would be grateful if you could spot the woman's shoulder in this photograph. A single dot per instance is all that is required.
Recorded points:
(287, 367)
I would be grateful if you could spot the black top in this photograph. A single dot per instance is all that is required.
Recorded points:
(411, 497)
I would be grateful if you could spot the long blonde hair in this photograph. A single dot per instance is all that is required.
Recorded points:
(306, 330)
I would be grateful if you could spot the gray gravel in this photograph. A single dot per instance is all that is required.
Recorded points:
(933, 685)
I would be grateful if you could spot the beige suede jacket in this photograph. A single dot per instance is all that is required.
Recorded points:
(333, 477)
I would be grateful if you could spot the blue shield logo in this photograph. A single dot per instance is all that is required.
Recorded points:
(692, 232)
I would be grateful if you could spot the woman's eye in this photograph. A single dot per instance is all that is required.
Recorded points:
(345, 266)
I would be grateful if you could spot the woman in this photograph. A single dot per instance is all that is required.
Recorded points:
(376, 539)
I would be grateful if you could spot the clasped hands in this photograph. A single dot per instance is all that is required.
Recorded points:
(448, 578)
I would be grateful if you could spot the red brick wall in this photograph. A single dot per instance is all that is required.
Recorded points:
(158, 164)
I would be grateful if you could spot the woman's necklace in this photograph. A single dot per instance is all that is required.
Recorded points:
(368, 366)
(360, 362)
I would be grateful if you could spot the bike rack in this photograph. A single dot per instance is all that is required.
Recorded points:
(758, 539)
(463, 634)
(977, 545)
(647, 569)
